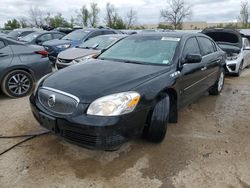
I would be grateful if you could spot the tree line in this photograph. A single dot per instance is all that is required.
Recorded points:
(175, 13)
(86, 17)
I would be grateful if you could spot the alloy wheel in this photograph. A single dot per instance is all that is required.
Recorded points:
(221, 81)
(19, 84)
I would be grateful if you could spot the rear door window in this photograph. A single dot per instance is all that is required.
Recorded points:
(207, 46)
(191, 47)
(57, 35)
(45, 37)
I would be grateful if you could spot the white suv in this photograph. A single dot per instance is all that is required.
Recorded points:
(235, 45)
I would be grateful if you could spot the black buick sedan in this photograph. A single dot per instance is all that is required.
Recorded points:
(134, 88)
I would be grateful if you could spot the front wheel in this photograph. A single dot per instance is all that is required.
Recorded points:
(217, 88)
(156, 128)
(17, 83)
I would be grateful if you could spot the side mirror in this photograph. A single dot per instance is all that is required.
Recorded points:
(103, 50)
(193, 58)
(247, 48)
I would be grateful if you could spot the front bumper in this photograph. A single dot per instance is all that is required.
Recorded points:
(232, 67)
(60, 65)
(93, 132)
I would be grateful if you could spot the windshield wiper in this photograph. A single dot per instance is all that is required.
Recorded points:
(134, 62)
(124, 61)
(84, 47)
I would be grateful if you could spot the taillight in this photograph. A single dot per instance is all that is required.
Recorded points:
(43, 53)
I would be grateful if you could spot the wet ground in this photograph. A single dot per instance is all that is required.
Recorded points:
(209, 147)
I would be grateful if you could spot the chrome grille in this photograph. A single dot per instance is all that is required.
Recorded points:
(57, 102)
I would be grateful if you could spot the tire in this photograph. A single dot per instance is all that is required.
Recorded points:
(17, 83)
(240, 70)
(156, 128)
(217, 88)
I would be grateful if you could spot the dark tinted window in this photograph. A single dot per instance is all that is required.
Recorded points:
(25, 33)
(2, 45)
(191, 47)
(45, 37)
(76, 35)
(207, 46)
(57, 36)
(108, 32)
(94, 34)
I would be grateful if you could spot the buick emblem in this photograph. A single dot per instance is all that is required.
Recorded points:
(52, 101)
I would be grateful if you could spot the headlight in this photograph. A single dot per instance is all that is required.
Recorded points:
(39, 83)
(78, 60)
(64, 46)
(114, 105)
(233, 57)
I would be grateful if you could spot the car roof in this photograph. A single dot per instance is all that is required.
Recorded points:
(94, 29)
(42, 32)
(10, 40)
(27, 29)
(118, 36)
(170, 34)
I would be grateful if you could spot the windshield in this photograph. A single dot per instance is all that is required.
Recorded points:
(14, 33)
(76, 35)
(143, 49)
(99, 43)
(30, 37)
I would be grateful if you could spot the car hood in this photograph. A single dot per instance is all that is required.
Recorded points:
(56, 42)
(225, 36)
(97, 78)
(74, 53)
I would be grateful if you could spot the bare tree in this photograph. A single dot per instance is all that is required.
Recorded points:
(36, 17)
(176, 12)
(23, 22)
(83, 16)
(111, 13)
(131, 18)
(93, 14)
(244, 14)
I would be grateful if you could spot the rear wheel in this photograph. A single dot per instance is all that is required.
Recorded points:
(219, 84)
(156, 128)
(17, 83)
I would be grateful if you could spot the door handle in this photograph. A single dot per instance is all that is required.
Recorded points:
(218, 61)
(204, 68)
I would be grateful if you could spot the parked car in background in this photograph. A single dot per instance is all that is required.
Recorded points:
(73, 39)
(87, 50)
(4, 31)
(39, 37)
(236, 47)
(19, 33)
(135, 87)
(21, 66)
(64, 30)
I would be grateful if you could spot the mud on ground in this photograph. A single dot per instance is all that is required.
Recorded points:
(209, 147)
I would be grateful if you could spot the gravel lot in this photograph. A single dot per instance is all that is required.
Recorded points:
(209, 147)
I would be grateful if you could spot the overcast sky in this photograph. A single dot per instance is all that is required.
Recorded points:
(148, 10)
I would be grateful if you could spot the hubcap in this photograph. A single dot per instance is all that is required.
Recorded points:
(221, 81)
(19, 84)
